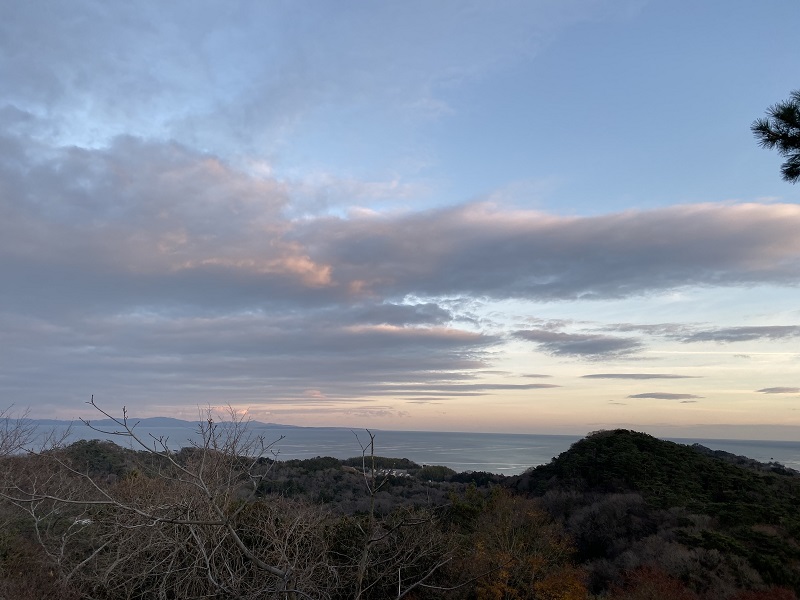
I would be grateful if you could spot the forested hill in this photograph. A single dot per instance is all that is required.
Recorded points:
(667, 473)
(624, 492)
(619, 516)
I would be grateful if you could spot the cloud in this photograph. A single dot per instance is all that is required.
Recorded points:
(578, 344)
(692, 333)
(480, 249)
(221, 208)
(434, 400)
(636, 376)
(745, 334)
(186, 228)
(780, 390)
(401, 314)
(668, 330)
(249, 76)
(495, 386)
(664, 396)
(150, 262)
(254, 358)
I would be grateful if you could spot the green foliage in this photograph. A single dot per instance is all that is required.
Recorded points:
(435, 473)
(99, 457)
(669, 475)
(465, 508)
(478, 478)
(753, 509)
(781, 130)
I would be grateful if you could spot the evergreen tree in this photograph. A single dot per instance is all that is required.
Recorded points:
(781, 130)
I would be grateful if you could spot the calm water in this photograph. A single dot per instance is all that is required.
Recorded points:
(509, 454)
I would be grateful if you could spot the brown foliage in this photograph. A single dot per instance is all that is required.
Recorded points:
(26, 574)
(649, 583)
(524, 554)
(194, 525)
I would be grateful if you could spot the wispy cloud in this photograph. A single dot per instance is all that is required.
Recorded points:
(744, 334)
(254, 358)
(443, 390)
(780, 390)
(202, 74)
(665, 396)
(689, 333)
(636, 376)
(578, 344)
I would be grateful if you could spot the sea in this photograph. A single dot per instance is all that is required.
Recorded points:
(503, 453)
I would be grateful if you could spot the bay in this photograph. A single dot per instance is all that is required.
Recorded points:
(507, 454)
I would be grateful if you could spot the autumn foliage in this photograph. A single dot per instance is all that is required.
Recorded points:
(620, 516)
(524, 553)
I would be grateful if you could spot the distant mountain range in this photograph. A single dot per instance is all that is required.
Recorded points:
(148, 422)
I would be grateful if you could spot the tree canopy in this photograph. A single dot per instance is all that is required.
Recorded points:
(780, 129)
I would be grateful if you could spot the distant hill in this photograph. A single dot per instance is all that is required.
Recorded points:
(147, 422)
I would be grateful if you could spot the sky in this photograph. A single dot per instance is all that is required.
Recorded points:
(532, 216)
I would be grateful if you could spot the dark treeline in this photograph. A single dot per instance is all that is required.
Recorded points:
(620, 516)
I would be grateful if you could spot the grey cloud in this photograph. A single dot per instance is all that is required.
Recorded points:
(745, 334)
(692, 333)
(186, 229)
(387, 314)
(252, 358)
(780, 390)
(485, 387)
(669, 330)
(479, 249)
(578, 344)
(147, 224)
(549, 324)
(403, 314)
(635, 376)
(664, 396)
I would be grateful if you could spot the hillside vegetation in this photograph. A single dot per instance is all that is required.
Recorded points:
(710, 519)
(621, 516)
